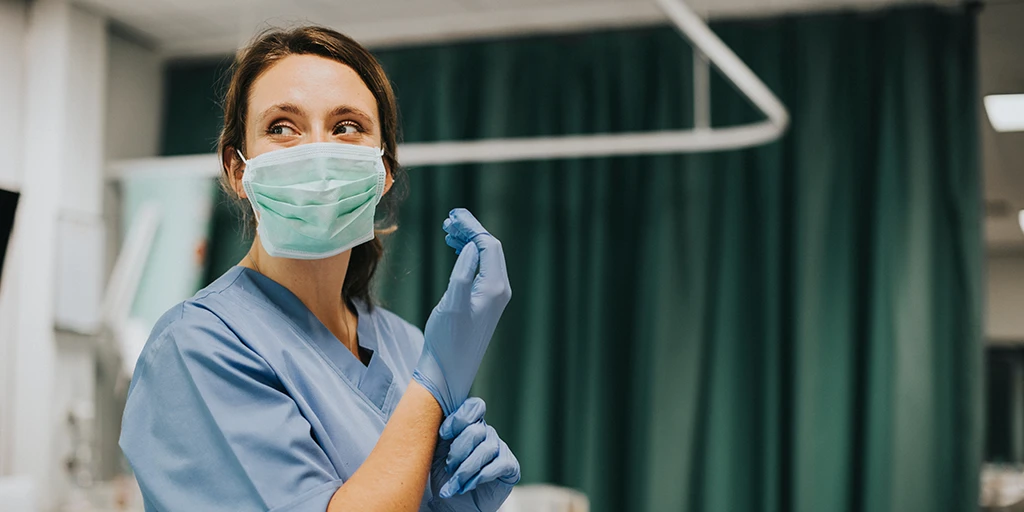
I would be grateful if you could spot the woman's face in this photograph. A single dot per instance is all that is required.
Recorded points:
(308, 98)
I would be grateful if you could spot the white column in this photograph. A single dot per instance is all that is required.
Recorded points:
(12, 48)
(133, 118)
(65, 69)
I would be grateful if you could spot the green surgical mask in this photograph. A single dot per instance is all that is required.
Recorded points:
(314, 200)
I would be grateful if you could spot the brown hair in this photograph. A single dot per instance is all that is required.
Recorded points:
(270, 47)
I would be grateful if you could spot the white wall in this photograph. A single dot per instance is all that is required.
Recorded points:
(134, 99)
(1004, 309)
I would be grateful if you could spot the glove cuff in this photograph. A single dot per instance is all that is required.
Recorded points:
(428, 373)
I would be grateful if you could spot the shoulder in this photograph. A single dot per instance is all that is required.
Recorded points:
(192, 357)
(194, 332)
(198, 322)
(188, 330)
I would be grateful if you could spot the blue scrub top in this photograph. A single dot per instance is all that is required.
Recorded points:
(243, 400)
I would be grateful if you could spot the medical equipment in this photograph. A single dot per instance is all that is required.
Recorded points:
(313, 201)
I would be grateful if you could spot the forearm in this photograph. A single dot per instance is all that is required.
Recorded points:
(395, 474)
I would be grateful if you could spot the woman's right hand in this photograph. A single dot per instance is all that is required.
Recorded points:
(460, 327)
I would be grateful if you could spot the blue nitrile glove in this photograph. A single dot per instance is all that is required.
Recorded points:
(473, 470)
(460, 327)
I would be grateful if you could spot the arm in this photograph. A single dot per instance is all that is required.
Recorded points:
(394, 476)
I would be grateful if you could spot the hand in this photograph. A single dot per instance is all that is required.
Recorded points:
(473, 469)
(460, 327)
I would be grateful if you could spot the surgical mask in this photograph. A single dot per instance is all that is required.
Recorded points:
(314, 200)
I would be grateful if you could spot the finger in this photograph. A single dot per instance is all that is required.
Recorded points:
(466, 266)
(455, 243)
(464, 225)
(470, 412)
(460, 283)
(505, 468)
(465, 444)
(484, 453)
(495, 471)
(491, 283)
(453, 240)
(492, 259)
(508, 470)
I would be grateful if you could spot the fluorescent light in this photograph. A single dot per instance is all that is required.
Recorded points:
(1005, 112)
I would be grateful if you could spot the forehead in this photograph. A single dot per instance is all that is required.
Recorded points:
(317, 84)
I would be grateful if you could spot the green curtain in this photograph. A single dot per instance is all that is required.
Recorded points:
(795, 327)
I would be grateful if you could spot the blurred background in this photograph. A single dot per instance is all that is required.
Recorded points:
(833, 321)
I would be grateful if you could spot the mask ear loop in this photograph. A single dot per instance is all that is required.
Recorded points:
(384, 151)
(252, 203)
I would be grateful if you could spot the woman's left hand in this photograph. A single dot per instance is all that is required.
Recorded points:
(473, 468)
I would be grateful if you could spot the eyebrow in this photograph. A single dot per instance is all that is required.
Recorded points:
(348, 109)
(281, 107)
(291, 108)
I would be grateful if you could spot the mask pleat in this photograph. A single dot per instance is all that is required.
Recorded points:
(314, 200)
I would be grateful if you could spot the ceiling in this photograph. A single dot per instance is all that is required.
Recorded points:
(208, 27)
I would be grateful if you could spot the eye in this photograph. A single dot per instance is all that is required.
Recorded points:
(281, 129)
(347, 128)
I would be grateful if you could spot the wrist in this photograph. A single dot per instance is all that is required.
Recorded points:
(421, 395)
(431, 378)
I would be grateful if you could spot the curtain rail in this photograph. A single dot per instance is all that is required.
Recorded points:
(695, 140)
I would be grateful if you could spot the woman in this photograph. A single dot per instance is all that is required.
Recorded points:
(281, 386)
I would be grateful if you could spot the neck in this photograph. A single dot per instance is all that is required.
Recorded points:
(317, 283)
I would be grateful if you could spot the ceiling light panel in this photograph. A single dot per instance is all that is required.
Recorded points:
(1005, 112)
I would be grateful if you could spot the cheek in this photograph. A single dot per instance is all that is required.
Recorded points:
(255, 146)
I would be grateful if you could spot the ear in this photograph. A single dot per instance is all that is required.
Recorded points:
(234, 167)
(388, 180)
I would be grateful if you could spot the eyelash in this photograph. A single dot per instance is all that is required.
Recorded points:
(353, 124)
(274, 126)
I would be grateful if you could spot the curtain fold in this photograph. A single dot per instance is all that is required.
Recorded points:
(795, 327)
(788, 328)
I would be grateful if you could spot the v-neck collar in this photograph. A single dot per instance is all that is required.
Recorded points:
(372, 380)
